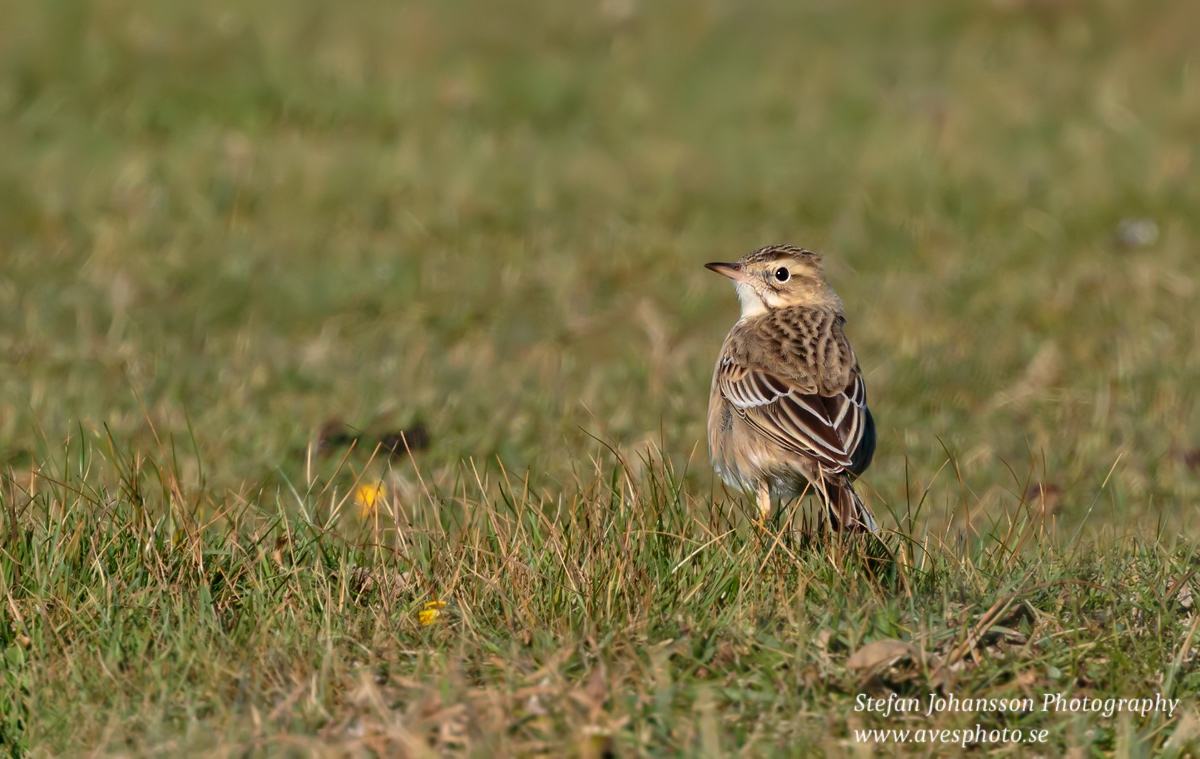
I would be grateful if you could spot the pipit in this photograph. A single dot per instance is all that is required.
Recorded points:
(787, 413)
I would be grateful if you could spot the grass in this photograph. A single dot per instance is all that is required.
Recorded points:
(227, 228)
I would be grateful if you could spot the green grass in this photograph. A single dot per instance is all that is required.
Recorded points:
(223, 225)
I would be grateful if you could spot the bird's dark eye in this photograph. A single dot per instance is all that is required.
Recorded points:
(782, 274)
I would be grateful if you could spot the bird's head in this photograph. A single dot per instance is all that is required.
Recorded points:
(779, 276)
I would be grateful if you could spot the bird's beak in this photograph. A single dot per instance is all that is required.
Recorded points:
(733, 271)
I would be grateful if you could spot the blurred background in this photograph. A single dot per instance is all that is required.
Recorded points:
(236, 224)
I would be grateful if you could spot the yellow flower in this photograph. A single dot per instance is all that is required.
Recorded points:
(368, 497)
(431, 612)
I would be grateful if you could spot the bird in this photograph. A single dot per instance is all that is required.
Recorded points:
(787, 410)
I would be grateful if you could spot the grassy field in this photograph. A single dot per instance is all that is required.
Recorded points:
(236, 236)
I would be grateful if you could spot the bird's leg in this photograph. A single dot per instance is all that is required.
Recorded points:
(764, 504)
(828, 507)
(804, 513)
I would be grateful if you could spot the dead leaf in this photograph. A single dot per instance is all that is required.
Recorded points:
(1191, 459)
(879, 652)
(1044, 499)
(1181, 589)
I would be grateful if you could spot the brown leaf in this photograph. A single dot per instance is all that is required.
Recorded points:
(1182, 590)
(879, 652)
(1045, 499)
(1028, 678)
(1191, 459)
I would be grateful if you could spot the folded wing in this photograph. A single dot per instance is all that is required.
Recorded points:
(826, 428)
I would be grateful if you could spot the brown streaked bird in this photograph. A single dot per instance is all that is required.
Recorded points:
(787, 413)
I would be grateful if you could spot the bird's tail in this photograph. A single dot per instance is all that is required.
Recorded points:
(847, 512)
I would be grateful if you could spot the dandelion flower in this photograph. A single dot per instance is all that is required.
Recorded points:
(368, 497)
(431, 613)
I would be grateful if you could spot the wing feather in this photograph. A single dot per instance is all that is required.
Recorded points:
(827, 428)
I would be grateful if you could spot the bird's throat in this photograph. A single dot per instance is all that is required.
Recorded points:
(752, 304)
